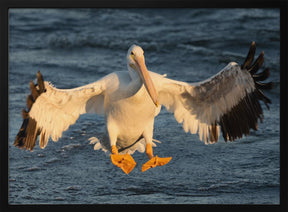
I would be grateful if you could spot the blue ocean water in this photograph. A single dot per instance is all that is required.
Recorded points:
(73, 47)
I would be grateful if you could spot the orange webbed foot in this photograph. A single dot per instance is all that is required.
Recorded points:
(155, 161)
(125, 162)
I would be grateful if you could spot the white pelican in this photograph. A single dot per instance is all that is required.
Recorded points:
(131, 100)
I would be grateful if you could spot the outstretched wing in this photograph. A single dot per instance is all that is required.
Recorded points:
(229, 100)
(51, 111)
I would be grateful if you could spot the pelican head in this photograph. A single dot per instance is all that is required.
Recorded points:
(136, 60)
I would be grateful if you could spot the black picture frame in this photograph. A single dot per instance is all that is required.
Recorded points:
(5, 5)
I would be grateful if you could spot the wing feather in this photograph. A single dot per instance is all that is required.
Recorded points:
(51, 111)
(228, 101)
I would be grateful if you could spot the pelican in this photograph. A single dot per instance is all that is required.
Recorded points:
(130, 101)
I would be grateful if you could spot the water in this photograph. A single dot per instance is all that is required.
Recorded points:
(73, 47)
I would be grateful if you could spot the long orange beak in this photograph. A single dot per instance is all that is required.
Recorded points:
(144, 74)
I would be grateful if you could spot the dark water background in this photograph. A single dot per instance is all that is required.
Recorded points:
(73, 47)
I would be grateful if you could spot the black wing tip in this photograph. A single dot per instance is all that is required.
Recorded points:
(28, 133)
(253, 69)
(245, 115)
(264, 86)
(241, 118)
(40, 82)
(250, 56)
(20, 138)
(262, 76)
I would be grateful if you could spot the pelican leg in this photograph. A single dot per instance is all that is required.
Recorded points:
(154, 161)
(125, 162)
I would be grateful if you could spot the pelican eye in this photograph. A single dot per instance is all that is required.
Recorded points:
(132, 53)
